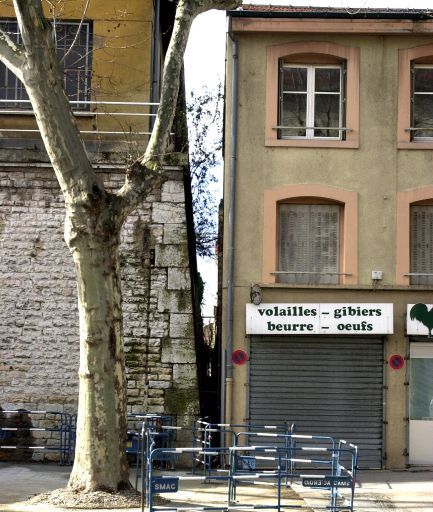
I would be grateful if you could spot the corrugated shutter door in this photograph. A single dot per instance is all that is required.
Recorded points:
(327, 386)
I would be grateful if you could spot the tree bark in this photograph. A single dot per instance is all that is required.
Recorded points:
(100, 460)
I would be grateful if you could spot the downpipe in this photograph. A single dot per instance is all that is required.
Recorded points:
(231, 232)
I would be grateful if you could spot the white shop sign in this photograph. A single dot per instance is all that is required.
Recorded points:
(307, 319)
(419, 320)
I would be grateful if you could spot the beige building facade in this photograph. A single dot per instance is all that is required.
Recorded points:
(328, 265)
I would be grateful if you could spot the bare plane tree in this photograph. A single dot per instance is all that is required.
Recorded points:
(94, 217)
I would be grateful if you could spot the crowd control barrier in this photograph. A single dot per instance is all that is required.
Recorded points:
(20, 429)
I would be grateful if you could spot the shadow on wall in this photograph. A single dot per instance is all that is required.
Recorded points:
(21, 437)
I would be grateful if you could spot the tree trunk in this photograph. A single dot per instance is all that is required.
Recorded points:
(100, 458)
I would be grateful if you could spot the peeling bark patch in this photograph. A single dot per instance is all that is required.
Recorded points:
(112, 343)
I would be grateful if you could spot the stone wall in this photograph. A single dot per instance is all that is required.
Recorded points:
(38, 313)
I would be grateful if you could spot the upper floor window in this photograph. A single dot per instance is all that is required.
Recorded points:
(74, 48)
(311, 101)
(415, 98)
(422, 102)
(312, 95)
(309, 241)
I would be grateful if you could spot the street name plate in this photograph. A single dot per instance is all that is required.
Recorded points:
(327, 481)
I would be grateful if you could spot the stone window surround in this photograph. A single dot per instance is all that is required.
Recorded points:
(349, 225)
(310, 50)
(404, 201)
(406, 57)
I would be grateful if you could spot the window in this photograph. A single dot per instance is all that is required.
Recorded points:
(414, 262)
(309, 243)
(311, 102)
(310, 235)
(74, 54)
(422, 102)
(312, 95)
(415, 98)
(421, 244)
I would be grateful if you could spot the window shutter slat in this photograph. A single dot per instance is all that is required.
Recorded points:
(421, 256)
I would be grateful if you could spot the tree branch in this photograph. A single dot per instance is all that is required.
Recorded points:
(44, 84)
(187, 10)
(11, 54)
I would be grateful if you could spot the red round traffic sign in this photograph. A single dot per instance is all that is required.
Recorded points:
(396, 362)
(239, 357)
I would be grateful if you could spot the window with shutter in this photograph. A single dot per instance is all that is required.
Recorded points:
(309, 243)
(421, 245)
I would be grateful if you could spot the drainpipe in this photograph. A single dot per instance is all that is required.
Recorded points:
(156, 60)
(231, 235)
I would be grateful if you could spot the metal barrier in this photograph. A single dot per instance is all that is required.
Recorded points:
(57, 425)
(320, 463)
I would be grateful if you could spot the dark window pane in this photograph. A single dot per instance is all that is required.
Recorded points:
(423, 114)
(294, 110)
(327, 113)
(327, 80)
(423, 80)
(295, 79)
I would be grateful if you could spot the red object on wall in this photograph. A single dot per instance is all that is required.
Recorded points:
(396, 362)
(239, 357)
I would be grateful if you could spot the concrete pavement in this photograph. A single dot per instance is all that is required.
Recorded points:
(405, 491)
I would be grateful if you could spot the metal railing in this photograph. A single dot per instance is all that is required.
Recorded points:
(101, 108)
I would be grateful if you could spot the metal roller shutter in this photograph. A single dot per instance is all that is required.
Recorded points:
(327, 386)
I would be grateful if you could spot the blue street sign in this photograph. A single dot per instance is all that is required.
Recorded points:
(161, 484)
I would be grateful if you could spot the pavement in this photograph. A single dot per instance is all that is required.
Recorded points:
(405, 491)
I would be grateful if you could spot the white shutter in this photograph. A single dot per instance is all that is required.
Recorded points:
(421, 258)
(308, 242)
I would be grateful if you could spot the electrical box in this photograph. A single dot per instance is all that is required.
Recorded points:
(376, 275)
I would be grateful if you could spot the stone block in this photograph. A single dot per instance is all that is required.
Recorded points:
(174, 301)
(178, 351)
(172, 191)
(171, 255)
(184, 375)
(179, 279)
(168, 213)
(181, 326)
(175, 234)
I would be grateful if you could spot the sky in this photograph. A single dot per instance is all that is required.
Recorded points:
(204, 66)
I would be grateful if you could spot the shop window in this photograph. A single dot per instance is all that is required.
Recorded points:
(310, 235)
(74, 48)
(309, 242)
(421, 244)
(312, 95)
(311, 102)
(415, 98)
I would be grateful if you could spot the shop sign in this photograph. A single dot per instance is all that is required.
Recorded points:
(419, 319)
(308, 319)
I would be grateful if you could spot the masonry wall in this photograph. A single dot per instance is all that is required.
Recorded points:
(39, 344)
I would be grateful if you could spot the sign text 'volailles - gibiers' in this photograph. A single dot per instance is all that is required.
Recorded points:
(322, 318)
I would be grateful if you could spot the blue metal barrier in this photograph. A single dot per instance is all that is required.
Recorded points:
(57, 425)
